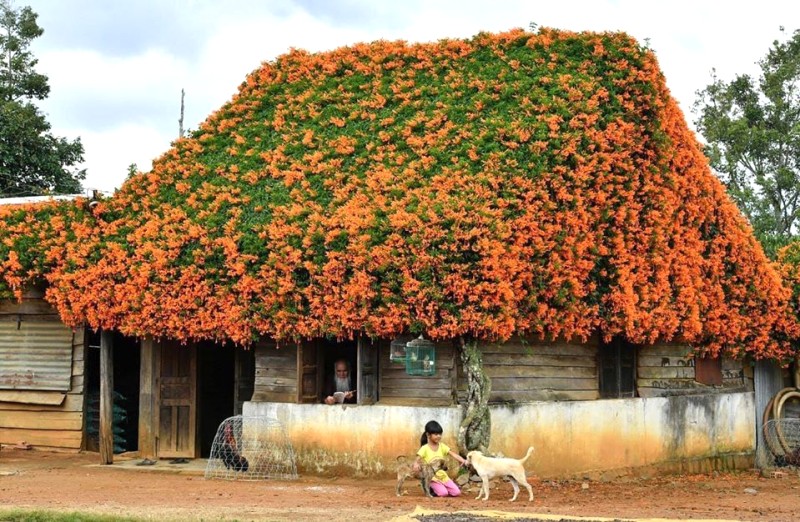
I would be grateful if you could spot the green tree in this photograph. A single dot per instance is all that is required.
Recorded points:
(32, 160)
(752, 128)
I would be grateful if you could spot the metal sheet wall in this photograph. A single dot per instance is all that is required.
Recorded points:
(768, 382)
(34, 354)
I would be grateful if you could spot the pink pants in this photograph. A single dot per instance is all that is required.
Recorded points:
(448, 489)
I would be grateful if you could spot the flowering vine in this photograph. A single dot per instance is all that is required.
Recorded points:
(511, 183)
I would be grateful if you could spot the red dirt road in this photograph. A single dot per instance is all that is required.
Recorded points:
(73, 482)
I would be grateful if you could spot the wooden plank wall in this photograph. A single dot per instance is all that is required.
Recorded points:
(46, 420)
(395, 386)
(666, 369)
(522, 370)
(736, 374)
(276, 372)
(530, 369)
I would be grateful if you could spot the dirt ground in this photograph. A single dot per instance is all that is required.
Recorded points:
(66, 482)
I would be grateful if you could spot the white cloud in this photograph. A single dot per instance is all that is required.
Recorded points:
(125, 104)
(115, 149)
(98, 76)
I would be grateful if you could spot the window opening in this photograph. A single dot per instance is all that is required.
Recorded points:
(708, 370)
(617, 369)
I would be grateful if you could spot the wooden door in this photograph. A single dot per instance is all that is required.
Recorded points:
(177, 400)
(367, 371)
(244, 378)
(309, 383)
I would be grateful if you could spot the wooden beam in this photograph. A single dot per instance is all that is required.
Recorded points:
(51, 398)
(72, 402)
(39, 420)
(148, 426)
(106, 398)
(64, 439)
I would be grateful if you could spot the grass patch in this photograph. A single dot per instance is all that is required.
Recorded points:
(39, 515)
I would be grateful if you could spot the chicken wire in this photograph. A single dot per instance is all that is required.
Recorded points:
(251, 448)
(782, 437)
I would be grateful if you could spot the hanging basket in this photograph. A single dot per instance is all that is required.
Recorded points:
(420, 357)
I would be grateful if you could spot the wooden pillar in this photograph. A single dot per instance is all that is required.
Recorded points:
(106, 398)
(147, 400)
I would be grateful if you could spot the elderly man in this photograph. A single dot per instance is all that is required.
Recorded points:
(340, 382)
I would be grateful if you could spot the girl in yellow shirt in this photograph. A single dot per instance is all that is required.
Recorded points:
(432, 447)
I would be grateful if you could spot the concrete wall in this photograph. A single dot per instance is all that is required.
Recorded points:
(355, 440)
(576, 438)
(596, 437)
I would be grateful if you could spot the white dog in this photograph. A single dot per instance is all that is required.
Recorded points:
(490, 467)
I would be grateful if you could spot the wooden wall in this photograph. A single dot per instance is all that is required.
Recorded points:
(669, 369)
(276, 372)
(49, 420)
(530, 369)
(395, 386)
(522, 371)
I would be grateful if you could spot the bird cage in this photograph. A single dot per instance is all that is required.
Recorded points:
(397, 349)
(420, 357)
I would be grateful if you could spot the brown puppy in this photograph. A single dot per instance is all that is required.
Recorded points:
(489, 467)
(425, 474)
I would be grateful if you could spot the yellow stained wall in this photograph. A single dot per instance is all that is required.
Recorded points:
(570, 438)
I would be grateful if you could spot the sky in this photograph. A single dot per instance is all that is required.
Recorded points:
(116, 68)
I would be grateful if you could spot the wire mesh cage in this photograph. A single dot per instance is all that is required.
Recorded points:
(420, 357)
(397, 349)
(251, 448)
(782, 437)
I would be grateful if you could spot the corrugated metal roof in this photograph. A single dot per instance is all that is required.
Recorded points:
(35, 355)
(88, 193)
(38, 199)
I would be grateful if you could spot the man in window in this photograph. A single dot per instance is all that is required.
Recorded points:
(338, 387)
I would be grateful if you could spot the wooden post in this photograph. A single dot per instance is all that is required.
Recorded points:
(147, 394)
(180, 121)
(359, 383)
(106, 398)
(797, 372)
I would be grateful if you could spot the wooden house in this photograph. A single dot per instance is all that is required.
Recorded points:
(538, 194)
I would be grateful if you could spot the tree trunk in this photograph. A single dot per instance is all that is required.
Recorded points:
(475, 429)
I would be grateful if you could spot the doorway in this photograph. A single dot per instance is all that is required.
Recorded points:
(190, 389)
(215, 390)
(126, 393)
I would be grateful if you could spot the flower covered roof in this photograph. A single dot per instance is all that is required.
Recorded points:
(506, 184)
